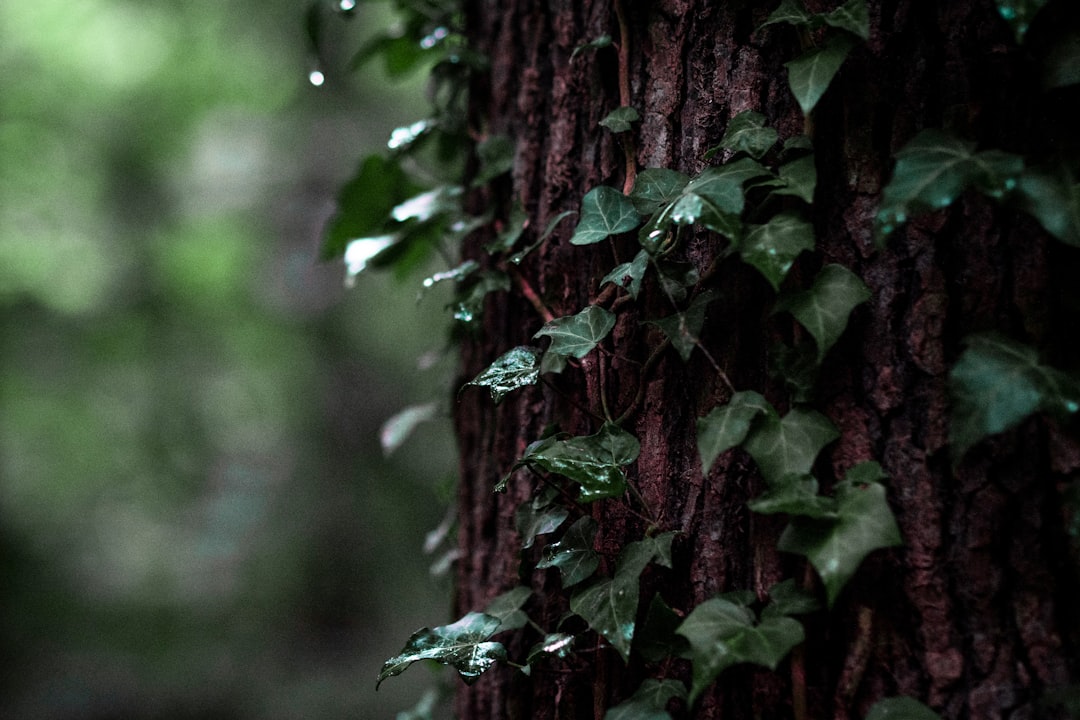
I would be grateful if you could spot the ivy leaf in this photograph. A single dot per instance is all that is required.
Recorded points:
(461, 645)
(1053, 198)
(722, 634)
(901, 708)
(597, 43)
(507, 608)
(790, 12)
(629, 275)
(852, 16)
(794, 494)
(787, 598)
(727, 425)
(824, 309)
(684, 328)
(677, 278)
(800, 179)
(515, 368)
(577, 335)
(636, 555)
(773, 247)
(470, 302)
(619, 119)
(398, 428)
(714, 199)
(657, 639)
(539, 516)
(997, 383)
(604, 211)
(836, 547)
(496, 155)
(593, 461)
(809, 74)
(797, 367)
(365, 202)
(649, 701)
(655, 188)
(573, 554)
(746, 132)
(1019, 13)
(934, 169)
(790, 445)
(557, 644)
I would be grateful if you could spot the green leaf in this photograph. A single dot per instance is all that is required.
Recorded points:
(809, 74)
(636, 555)
(365, 202)
(797, 367)
(997, 383)
(789, 12)
(470, 299)
(654, 188)
(1053, 198)
(496, 155)
(684, 328)
(592, 461)
(443, 200)
(773, 247)
(824, 309)
(934, 169)
(714, 199)
(794, 494)
(1019, 13)
(901, 708)
(619, 119)
(787, 598)
(539, 516)
(790, 445)
(573, 554)
(852, 16)
(398, 428)
(424, 708)
(656, 638)
(676, 278)
(456, 274)
(629, 275)
(461, 645)
(722, 634)
(747, 133)
(513, 369)
(601, 41)
(508, 237)
(554, 644)
(800, 179)
(727, 425)
(517, 257)
(649, 701)
(507, 608)
(836, 547)
(577, 335)
(604, 212)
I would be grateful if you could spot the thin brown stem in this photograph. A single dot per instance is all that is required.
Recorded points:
(624, 95)
(530, 294)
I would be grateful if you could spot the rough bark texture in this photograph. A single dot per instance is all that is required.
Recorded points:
(976, 614)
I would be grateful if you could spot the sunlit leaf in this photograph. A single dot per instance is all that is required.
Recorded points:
(747, 133)
(619, 119)
(507, 608)
(773, 247)
(809, 74)
(727, 425)
(800, 178)
(794, 494)
(462, 645)
(539, 516)
(398, 428)
(836, 547)
(649, 701)
(683, 329)
(577, 335)
(655, 188)
(788, 445)
(824, 309)
(722, 634)
(1019, 13)
(573, 555)
(852, 16)
(1053, 198)
(593, 461)
(997, 383)
(513, 369)
(629, 275)
(604, 212)
(901, 708)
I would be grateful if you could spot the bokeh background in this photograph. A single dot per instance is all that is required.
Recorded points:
(196, 517)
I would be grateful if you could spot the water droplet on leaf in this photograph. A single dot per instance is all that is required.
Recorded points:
(1072, 406)
(316, 78)
(347, 5)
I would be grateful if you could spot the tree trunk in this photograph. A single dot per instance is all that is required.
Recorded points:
(976, 614)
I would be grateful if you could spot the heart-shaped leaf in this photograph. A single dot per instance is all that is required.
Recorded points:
(654, 188)
(800, 178)
(604, 211)
(573, 554)
(809, 74)
(683, 329)
(577, 335)
(727, 425)
(794, 495)
(649, 701)
(629, 275)
(747, 133)
(1053, 198)
(824, 309)
(593, 461)
(619, 119)
(462, 645)
(539, 516)
(513, 369)
(852, 16)
(789, 445)
(507, 608)
(773, 247)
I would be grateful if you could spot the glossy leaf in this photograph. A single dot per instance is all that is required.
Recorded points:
(654, 188)
(455, 274)
(365, 202)
(426, 205)
(824, 309)
(554, 644)
(597, 43)
(517, 257)
(539, 516)
(462, 645)
(722, 634)
(507, 608)
(810, 74)
(577, 335)
(470, 300)
(901, 708)
(836, 548)
(715, 199)
(573, 555)
(619, 119)
(513, 369)
(852, 16)
(773, 247)
(1019, 13)
(656, 638)
(593, 461)
(787, 598)
(683, 329)
(747, 133)
(789, 445)
(629, 275)
(790, 12)
(800, 179)
(604, 212)
(649, 701)
(997, 383)
(794, 494)
(361, 251)
(398, 428)
(636, 555)
(934, 169)
(727, 425)
(1053, 198)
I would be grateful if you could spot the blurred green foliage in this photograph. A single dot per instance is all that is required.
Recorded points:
(191, 486)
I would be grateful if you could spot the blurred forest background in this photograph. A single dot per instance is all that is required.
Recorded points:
(196, 517)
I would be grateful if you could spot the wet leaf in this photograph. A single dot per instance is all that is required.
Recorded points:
(997, 383)
(837, 547)
(789, 12)
(747, 133)
(810, 74)
(507, 608)
(773, 247)
(517, 257)
(513, 369)
(469, 304)
(722, 634)
(714, 199)
(619, 119)
(683, 329)
(458, 273)
(901, 708)
(593, 461)
(800, 179)
(852, 16)
(577, 335)
(573, 554)
(1019, 13)
(539, 516)
(656, 639)
(629, 275)
(1053, 198)
(727, 425)
(789, 445)
(554, 644)
(425, 206)
(462, 645)
(515, 225)
(794, 494)
(398, 428)
(655, 188)
(604, 212)
(365, 202)
(824, 309)
(599, 42)
(649, 701)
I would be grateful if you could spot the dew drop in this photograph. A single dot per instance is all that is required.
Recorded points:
(901, 217)
(772, 251)
(316, 78)
(945, 201)
(1072, 406)
(887, 228)
(347, 5)
(1010, 183)
(429, 282)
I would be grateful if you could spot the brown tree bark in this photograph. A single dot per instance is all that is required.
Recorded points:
(976, 615)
